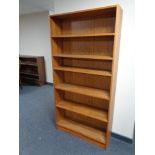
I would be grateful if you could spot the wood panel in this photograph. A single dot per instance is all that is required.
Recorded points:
(84, 130)
(93, 81)
(79, 26)
(83, 35)
(86, 120)
(82, 56)
(114, 69)
(89, 64)
(84, 71)
(84, 110)
(87, 100)
(92, 46)
(98, 93)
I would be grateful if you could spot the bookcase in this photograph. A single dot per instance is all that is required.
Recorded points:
(32, 69)
(85, 47)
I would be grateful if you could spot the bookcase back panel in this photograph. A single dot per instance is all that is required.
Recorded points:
(85, 100)
(88, 25)
(87, 80)
(77, 26)
(93, 46)
(85, 120)
(90, 64)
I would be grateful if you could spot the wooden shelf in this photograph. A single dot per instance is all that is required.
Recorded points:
(84, 110)
(84, 130)
(29, 64)
(78, 56)
(29, 74)
(28, 78)
(97, 93)
(84, 35)
(85, 71)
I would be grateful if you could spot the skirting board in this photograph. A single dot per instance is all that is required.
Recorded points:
(49, 83)
(122, 138)
(114, 135)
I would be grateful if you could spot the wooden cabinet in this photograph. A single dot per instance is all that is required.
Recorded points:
(85, 47)
(32, 69)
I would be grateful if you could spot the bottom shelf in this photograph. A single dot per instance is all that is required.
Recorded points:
(83, 131)
(31, 80)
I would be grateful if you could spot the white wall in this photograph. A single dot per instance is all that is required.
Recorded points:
(124, 117)
(35, 38)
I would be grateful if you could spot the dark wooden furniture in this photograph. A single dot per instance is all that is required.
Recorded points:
(32, 69)
(85, 46)
(20, 81)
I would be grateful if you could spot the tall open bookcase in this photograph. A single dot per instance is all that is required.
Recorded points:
(85, 47)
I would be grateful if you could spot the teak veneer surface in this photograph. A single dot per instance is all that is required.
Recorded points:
(83, 56)
(85, 46)
(84, 110)
(82, 129)
(85, 71)
(98, 93)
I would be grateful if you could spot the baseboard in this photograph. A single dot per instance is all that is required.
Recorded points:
(114, 135)
(122, 138)
(49, 83)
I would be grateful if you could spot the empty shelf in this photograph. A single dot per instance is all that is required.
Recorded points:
(29, 74)
(83, 70)
(83, 130)
(29, 64)
(84, 35)
(84, 110)
(78, 56)
(93, 92)
(28, 78)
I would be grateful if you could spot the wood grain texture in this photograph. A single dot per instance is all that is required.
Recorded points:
(90, 122)
(114, 70)
(103, 65)
(102, 94)
(84, 110)
(83, 35)
(83, 56)
(84, 130)
(85, 71)
(87, 100)
(88, 80)
(85, 47)
(81, 136)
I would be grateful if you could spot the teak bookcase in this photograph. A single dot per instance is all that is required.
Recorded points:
(85, 47)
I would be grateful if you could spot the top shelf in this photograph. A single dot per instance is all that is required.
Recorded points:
(84, 35)
(108, 10)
